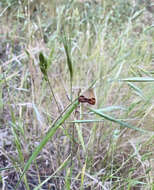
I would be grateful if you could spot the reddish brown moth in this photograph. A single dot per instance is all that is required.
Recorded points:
(88, 97)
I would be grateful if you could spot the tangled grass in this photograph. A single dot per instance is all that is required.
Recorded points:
(49, 52)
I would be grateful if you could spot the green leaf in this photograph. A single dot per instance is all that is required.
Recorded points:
(137, 14)
(63, 165)
(136, 89)
(49, 134)
(79, 131)
(82, 176)
(43, 65)
(111, 108)
(86, 121)
(66, 44)
(50, 59)
(67, 179)
(121, 123)
(138, 79)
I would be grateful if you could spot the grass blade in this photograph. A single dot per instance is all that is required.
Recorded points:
(66, 44)
(49, 134)
(43, 65)
(79, 130)
(137, 90)
(121, 123)
(64, 164)
(86, 121)
(82, 176)
(138, 79)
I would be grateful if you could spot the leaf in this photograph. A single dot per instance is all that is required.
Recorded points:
(138, 79)
(67, 52)
(121, 123)
(64, 164)
(79, 130)
(86, 121)
(49, 134)
(82, 176)
(111, 108)
(50, 57)
(137, 14)
(43, 65)
(136, 89)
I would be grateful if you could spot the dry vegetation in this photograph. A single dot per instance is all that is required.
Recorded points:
(49, 50)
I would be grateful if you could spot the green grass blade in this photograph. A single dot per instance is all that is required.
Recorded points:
(63, 165)
(137, 14)
(43, 65)
(82, 176)
(138, 79)
(67, 179)
(137, 90)
(50, 58)
(121, 123)
(66, 44)
(17, 142)
(86, 121)
(111, 108)
(79, 130)
(49, 134)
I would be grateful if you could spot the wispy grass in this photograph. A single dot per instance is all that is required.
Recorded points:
(106, 45)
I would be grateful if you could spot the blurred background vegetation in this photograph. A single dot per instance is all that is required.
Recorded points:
(102, 44)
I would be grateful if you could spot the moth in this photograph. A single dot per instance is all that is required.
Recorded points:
(87, 97)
